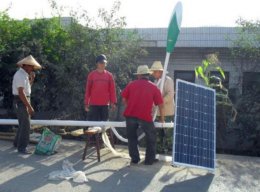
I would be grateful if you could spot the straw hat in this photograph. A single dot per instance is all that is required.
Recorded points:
(157, 66)
(142, 70)
(29, 60)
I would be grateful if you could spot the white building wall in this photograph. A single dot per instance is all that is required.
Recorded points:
(187, 59)
(192, 46)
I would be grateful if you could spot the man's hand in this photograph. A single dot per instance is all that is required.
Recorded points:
(30, 110)
(25, 101)
(113, 107)
(161, 110)
(162, 119)
(87, 108)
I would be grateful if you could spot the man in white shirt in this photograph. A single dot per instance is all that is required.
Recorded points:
(21, 88)
(168, 103)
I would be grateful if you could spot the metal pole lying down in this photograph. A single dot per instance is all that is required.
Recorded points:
(79, 123)
(104, 124)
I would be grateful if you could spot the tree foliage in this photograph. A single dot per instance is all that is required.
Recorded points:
(246, 54)
(209, 64)
(67, 54)
(247, 44)
(203, 71)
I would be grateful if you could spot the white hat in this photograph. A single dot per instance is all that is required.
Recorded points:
(157, 66)
(29, 60)
(142, 70)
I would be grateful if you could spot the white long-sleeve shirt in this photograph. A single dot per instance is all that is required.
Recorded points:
(168, 97)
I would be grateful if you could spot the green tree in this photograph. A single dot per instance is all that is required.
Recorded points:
(203, 71)
(246, 55)
(246, 47)
(67, 54)
(247, 44)
(12, 37)
(209, 64)
(225, 111)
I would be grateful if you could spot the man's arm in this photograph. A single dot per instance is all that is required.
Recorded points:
(125, 101)
(87, 92)
(124, 95)
(112, 89)
(169, 91)
(25, 100)
(161, 113)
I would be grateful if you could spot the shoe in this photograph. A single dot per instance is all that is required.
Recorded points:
(152, 162)
(135, 161)
(155, 160)
(25, 151)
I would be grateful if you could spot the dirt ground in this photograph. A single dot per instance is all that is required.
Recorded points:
(26, 173)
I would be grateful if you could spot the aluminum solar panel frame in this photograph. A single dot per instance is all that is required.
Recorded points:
(194, 126)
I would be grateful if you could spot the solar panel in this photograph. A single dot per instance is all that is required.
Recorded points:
(194, 126)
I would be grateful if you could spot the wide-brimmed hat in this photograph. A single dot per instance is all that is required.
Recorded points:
(29, 60)
(101, 58)
(142, 70)
(157, 66)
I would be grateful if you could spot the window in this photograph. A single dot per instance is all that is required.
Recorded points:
(251, 81)
(184, 75)
(190, 76)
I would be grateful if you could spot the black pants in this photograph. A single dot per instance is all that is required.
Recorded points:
(22, 136)
(98, 113)
(132, 124)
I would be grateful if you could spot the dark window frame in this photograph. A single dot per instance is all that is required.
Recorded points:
(185, 75)
(250, 79)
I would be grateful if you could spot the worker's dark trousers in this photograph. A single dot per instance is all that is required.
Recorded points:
(22, 136)
(132, 124)
(98, 113)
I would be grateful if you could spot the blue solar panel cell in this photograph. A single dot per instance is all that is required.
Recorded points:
(194, 126)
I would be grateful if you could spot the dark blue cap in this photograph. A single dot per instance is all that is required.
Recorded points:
(101, 58)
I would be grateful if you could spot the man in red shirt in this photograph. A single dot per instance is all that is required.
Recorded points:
(100, 91)
(139, 97)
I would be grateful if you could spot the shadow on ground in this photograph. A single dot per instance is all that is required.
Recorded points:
(26, 173)
(198, 184)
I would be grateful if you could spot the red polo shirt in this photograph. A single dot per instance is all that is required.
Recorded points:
(100, 88)
(141, 95)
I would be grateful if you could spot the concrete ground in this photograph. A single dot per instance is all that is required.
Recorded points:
(26, 173)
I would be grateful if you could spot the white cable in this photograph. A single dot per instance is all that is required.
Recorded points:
(118, 135)
(121, 138)
(109, 146)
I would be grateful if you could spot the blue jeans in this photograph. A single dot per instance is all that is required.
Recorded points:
(132, 124)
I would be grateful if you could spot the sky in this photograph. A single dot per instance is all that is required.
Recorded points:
(147, 13)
